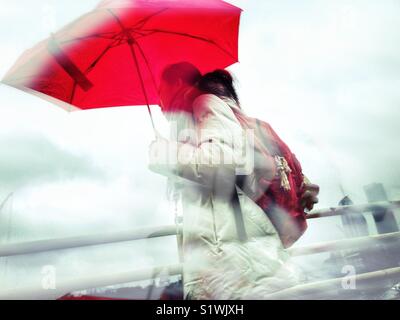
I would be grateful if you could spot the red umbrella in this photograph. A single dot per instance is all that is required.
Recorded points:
(113, 55)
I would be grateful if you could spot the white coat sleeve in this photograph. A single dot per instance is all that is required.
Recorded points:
(219, 148)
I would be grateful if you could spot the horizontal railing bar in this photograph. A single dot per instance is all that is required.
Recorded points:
(353, 243)
(296, 292)
(78, 284)
(322, 287)
(361, 208)
(83, 241)
(145, 233)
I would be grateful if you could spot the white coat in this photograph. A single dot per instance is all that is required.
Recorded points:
(216, 264)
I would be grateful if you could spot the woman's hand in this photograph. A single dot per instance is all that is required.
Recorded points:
(157, 146)
(309, 196)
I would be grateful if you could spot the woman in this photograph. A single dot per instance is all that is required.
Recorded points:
(208, 145)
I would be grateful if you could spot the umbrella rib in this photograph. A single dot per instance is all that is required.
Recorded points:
(130, 42)
(139, 24)
(71, 99)
(189, 36)
(147, 64)
(142, 22)
(99, 36)
(68, 65)
(93, 64)
(142, 83)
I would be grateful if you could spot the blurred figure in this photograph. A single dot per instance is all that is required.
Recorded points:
(231, 249)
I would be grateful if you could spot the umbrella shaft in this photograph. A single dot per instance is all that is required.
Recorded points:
(152, 121)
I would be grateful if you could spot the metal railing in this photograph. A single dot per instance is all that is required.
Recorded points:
(337, 245)
(362, 208)
(32, 247)
(320, 289)
(168, 230)
(88, 282)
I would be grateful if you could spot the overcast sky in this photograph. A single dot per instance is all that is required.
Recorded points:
(324, 74)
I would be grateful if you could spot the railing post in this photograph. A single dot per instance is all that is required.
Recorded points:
(179, 240)
(384, 218)
(389, 254)
(354, 225)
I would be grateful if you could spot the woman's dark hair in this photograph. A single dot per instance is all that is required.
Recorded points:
(220, 83)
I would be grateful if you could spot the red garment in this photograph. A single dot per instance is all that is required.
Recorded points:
(282, 206)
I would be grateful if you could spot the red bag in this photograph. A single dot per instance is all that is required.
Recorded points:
(281, 199)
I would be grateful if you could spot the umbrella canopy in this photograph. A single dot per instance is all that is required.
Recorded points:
(114, 55)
